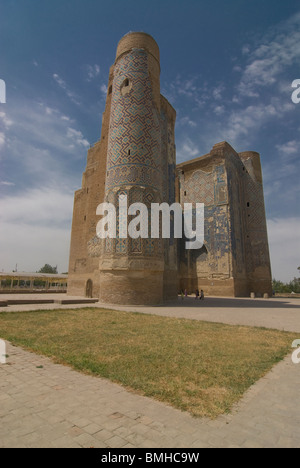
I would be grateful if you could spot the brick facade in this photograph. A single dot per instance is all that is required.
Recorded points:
(136, 157)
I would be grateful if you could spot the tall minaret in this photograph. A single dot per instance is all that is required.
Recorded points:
(132, 270)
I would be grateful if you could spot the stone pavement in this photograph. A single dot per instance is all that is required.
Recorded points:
(281, 314)
(43, 404)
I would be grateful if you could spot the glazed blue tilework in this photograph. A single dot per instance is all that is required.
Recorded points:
(134, 149)
(200, 188)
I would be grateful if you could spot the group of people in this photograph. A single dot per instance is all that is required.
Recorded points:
(199, 294)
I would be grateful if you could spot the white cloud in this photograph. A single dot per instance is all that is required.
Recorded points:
(218, 92)
(62, 84)
(93, 71)
(6, 121)
(104, 89)
(37, 207)
(6, 183)
(2, 139)
(284, 241)
(32, 248)
(77, 138)
(35, 229)
(289, 149)
(219, 110)
(187, 150)
(245, 50)
(60, 81)
(44, 153)
(39, 129)
(188, 88)
(5, 124)
(43, 146)
(187, 121)
(243, 122)
(278, 50)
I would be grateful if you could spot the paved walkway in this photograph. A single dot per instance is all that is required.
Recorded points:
(48, 405)
(43, 404)
(281, 314)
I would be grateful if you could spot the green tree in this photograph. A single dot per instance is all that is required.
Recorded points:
(49, 269)
(280, 287)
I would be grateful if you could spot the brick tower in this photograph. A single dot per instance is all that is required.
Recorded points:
(132, 270)
(135, 158)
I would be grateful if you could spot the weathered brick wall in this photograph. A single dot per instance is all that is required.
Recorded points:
(85, 247)
(168, 167)
(235, 259)
(136, 156)
(205, 181)
(132, 270)
(256, 236)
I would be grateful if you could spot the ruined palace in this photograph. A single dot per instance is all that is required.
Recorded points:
(136, 158)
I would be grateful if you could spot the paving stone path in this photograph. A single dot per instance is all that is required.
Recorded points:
(43, 404)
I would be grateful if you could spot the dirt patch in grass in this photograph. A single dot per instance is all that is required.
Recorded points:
(200, 367)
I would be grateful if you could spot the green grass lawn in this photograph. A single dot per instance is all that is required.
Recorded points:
(199, 367)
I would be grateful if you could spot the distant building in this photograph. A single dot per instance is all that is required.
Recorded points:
(136, 157)
(21, 282)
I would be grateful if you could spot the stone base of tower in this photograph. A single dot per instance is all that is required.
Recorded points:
(260, 287)
(126, 287)
(84, 284)
(170, 285)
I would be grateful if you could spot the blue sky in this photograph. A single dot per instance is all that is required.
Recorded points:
(226, 66)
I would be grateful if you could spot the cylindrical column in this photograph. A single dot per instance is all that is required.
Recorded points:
(131, 270)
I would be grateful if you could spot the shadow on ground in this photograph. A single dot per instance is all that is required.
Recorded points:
(221, 302)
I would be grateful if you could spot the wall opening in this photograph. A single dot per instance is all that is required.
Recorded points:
(126, 86)
(89, 289)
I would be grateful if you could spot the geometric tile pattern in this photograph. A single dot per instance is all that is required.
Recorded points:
(164, 151)
(94, 247)
(134, 146)
(129, 246)
(200, 188)
(121, 244)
